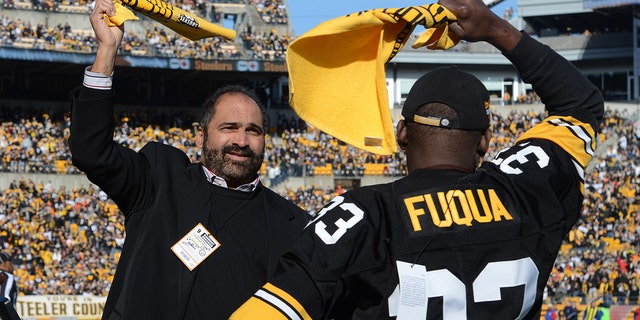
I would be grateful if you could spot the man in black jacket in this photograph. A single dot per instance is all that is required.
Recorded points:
(452, 240)
(200, 237)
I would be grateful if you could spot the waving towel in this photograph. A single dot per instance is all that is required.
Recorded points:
(176, 19)
(337, 70)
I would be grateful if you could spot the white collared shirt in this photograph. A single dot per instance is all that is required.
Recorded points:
(219, 181)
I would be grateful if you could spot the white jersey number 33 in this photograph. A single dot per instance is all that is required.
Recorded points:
(411, 296)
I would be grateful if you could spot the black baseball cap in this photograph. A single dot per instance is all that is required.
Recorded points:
(457, 89)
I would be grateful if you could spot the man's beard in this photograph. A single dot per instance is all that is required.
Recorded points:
(234, 172)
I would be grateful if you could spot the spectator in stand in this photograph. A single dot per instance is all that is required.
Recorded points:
(634, 291)
(592, 312)
(552, 313)
(570, 312)
(604, 312)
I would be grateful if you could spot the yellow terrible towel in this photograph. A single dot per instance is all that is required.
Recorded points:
(176, 19)
(337, 70)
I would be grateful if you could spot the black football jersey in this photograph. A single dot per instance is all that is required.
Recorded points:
(444, 244)
(440, 244)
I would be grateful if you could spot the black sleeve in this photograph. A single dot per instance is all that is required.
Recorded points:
(91, 124)
(561, 86)
(116, 169)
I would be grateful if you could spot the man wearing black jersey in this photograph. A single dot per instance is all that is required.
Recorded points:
(452, 240)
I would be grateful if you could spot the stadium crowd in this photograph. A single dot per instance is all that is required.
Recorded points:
(67, 241)
(603, 260)
(155, 42)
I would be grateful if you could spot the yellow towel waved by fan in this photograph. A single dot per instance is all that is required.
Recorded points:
(176, 19)
(337, 70)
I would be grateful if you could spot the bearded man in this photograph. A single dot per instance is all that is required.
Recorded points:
(200, 237)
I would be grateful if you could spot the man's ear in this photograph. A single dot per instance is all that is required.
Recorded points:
(401, 135)
(199, 138)
(485, 140)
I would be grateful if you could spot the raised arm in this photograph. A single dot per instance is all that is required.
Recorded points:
(109, 38)
(114, 168)
(477, 23)
(560, 85)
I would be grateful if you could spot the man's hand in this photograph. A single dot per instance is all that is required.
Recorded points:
(109, 38)
(477, 23)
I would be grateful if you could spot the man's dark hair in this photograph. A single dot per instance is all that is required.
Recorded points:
(209, 106)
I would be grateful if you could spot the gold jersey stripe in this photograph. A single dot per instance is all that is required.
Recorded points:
(288, 299)
(572, 135)
(255, 308)
(271, 302)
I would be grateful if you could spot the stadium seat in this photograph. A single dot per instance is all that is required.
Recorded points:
(326, 170)
(375, 169)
